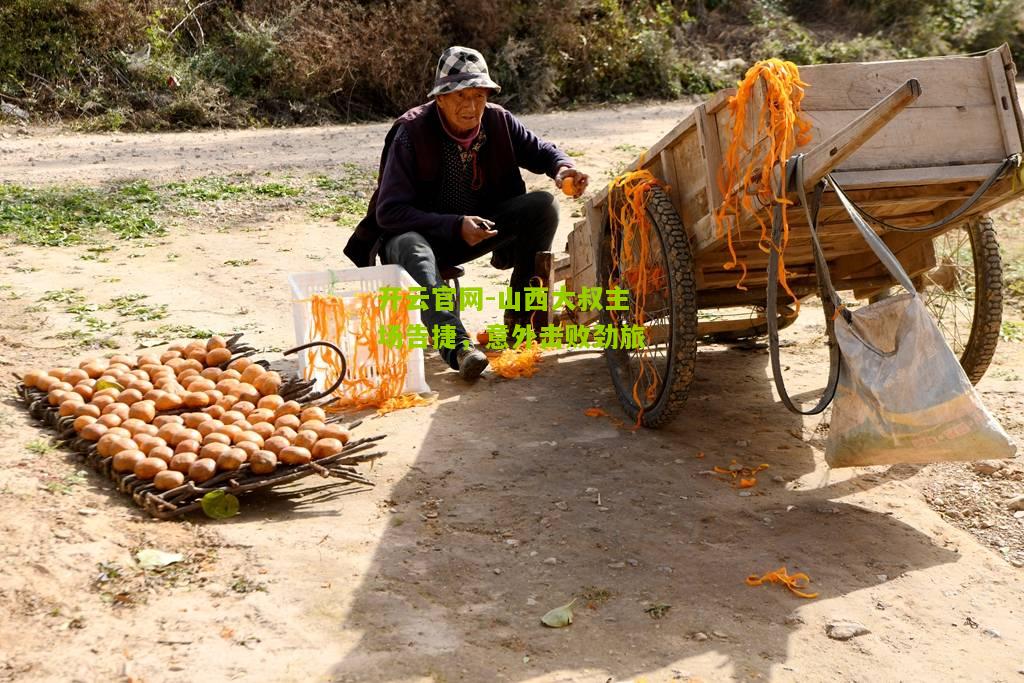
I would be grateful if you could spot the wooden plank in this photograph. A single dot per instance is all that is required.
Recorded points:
(946, 81)
(1010, 70)
(691, 175)
(921, 138)
(832, 151)
(903, 177)
(711, 152)
(1004, 109)
(668, 170)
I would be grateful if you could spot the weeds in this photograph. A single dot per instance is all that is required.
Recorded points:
(39, 447)
(128, 306)
(214, 188)
(239, 262)
(64, 486)
(175, 331)
(59, 216)
(1012, 331)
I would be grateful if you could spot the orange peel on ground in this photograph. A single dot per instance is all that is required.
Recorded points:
(796, 583)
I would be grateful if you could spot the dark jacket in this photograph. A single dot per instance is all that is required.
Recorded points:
(409, 176)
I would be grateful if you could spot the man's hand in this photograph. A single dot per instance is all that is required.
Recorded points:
(475, 230)
(578, 183)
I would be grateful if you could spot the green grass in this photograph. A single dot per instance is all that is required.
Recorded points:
(1012, 331)
(213, 188)
(128, 306)
(345, 197)
(63, 296)
(39, 447)
(176, 331)
(59, 216)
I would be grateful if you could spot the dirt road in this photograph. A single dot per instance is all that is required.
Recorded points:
(498, 502)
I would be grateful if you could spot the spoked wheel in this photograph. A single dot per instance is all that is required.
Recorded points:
(964, 293)
(652, 382)
(739, 324)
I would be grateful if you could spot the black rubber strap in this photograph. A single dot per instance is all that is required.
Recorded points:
(829, 297)
(1009, 162)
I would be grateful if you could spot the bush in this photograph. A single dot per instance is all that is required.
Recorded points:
(117, 64)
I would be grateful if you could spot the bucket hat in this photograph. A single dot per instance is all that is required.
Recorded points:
(460, 68)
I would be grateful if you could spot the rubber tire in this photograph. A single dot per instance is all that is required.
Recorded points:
(988, 299)
(682, 284)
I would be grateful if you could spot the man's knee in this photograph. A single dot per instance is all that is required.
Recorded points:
(407, 246)
(540, 211)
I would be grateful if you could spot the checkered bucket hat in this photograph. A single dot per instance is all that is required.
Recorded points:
(460, 68)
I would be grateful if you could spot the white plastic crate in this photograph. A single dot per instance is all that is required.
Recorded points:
(346, 284)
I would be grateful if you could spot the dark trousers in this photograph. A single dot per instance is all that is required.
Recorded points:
(525, 226)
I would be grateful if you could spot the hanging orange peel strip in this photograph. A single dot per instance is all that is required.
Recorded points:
(781, 127)
(796, 583)
(631, 240)
(376, 372)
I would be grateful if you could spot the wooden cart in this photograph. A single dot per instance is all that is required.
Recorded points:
(909, 141)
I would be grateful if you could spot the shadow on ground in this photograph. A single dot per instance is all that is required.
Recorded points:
(462, 576)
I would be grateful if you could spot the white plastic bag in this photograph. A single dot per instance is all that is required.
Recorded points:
(902, 395)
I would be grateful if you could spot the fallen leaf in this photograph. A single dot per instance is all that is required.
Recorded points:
(559, 617)
(151, 558)
(595, 412)
(219, 505)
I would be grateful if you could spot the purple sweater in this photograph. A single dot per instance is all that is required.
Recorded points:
(407, 195)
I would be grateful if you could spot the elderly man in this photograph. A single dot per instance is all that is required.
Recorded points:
(450, 191)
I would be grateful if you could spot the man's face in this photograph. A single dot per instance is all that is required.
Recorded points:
(463, 109)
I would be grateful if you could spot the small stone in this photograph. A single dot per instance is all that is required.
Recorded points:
(779, 479)
(511, 542)
(616, 565)
(562, 505)
(633, 563)
(497, 570)
(700, 636)
(1016, 503)
(742, 443)
(745, 494)
(591, 489)
(665, 569)
(431, 515)
(794, 620)
(882, 578)
(992, 633)
(62, 533)
(602, 508)
(87, 511)
(551, 560)
(841, 629)
(530, 602)
(1018, 514)
(534, 553)
(987, 466)
(720, 634)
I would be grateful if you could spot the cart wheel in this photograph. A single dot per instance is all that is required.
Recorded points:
(652, 382)
(964, 293)
(751, 323)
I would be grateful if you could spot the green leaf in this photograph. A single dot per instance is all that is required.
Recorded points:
(559, 617)
(220, 505)
(107, 384)
(154, 559)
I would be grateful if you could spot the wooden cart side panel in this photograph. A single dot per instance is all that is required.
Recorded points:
(945, 81)
(970, 135)
(1010, 71)
(1003, 104)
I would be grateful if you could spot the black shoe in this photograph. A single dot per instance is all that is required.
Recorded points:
(471, 362)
